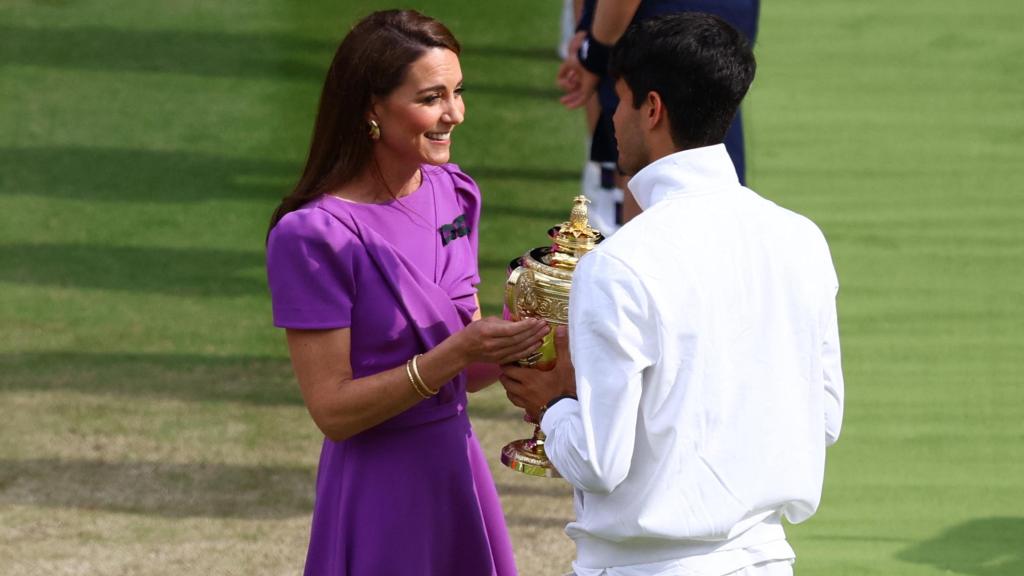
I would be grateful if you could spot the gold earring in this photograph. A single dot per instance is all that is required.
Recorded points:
(374, 130)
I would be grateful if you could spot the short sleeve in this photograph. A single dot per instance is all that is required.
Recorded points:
(311, 264)
(468, 194)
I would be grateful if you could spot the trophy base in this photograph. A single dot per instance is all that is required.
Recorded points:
(527, 456)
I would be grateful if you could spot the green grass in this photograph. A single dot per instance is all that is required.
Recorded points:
(148, 419)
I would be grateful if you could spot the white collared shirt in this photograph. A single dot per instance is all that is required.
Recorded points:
(706, 349)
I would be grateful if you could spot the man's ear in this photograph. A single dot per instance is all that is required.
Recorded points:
(656, 113)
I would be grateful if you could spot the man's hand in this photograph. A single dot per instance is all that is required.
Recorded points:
(531, 389)
(585, 88)
(567, 72)
(577, 83)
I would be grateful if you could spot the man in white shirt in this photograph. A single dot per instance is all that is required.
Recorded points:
(703, 336)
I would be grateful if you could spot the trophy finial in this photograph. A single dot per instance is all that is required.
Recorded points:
(578, 218)
(578, 225)
(573, 238)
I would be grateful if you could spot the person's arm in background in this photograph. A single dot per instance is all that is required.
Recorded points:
(611, 18)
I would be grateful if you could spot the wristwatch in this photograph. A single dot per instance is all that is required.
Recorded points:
(552, 402)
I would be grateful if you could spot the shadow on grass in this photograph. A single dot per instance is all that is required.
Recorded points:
(168, 51)
(127, 175)
(500, 265)
(172, 271)
(220, 54)
(482, 59)
(551, 214)
(979, 547)
(159, 489)
(513, 94)
(258, 381)
(537, 53)
(527, 174)
(554, 212)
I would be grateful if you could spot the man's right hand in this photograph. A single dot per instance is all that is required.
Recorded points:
(532, 389)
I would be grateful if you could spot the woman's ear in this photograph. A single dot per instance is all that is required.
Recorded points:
(374, 112)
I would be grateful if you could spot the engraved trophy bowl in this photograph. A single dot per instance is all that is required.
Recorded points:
(538, 287)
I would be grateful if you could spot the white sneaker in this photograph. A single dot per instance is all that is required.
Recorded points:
(599, 207)
(605, 203)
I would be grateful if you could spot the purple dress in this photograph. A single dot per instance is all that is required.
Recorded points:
(412, 495)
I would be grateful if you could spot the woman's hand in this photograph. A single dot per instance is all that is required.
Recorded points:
(498, 341)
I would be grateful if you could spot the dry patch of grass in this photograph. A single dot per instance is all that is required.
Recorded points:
(99, 484)
(158, 484)
(536, 509)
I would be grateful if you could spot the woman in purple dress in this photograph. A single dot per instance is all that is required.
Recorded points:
(372, 266)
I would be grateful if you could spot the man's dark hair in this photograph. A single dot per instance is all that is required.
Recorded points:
(699, 65)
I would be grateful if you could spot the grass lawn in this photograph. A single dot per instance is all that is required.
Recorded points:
(149, 423)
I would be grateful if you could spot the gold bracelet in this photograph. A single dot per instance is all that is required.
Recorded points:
(419, 380)
(408, 372)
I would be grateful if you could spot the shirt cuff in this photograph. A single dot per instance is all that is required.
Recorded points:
(560, 410)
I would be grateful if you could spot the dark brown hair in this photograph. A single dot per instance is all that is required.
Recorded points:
(372, 61)
(699, 64)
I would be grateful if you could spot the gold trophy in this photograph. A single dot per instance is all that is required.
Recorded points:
(538, 287)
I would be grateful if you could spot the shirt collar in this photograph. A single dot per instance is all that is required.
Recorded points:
(683, 172)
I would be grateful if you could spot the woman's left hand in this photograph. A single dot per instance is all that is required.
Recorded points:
(500, 341)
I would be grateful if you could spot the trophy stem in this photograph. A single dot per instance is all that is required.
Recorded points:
(527, 456)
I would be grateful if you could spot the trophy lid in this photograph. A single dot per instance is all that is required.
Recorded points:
(573, 238)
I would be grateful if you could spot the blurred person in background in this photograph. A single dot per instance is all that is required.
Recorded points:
(701, 382)
(584, 74)
(372, 267)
